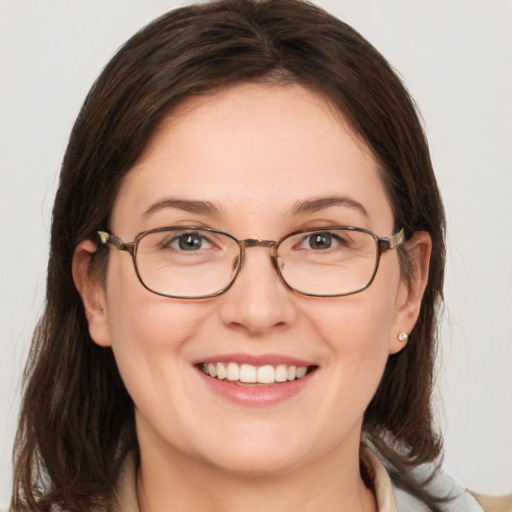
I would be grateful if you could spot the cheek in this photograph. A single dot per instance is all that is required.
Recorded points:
(356, 330)
(150, 324)
(354, 324)
(140, 320)
(150, 336)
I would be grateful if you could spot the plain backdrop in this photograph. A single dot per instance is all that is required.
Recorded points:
(455, 57)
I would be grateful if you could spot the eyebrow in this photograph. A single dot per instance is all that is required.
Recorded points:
(202, 207)
(315, 205)
(212, 209)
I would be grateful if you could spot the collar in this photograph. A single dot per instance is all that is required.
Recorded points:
(126, 491)
(382, 485)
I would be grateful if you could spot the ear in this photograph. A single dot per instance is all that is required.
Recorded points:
(92, 292)
(410, 295)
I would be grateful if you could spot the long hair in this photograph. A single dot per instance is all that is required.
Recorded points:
(77, 420)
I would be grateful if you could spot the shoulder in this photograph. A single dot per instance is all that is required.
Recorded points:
(442, 484)
(494, 503)
(460, 498)
(391, 498)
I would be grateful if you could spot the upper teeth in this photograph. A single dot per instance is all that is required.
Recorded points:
(248, 373)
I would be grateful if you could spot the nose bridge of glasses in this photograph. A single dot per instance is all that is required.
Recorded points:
(257, 242)
(249, 243)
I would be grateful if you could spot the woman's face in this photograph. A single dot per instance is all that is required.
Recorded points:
(256, 161)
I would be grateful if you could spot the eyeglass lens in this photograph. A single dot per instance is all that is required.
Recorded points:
(192, 262)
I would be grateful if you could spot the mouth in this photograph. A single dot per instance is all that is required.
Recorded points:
(251, 375)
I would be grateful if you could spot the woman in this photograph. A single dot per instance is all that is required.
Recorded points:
(198, 373)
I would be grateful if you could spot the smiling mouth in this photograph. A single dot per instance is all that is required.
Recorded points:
(248, 374)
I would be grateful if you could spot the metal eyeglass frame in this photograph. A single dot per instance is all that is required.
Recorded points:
(384, 244)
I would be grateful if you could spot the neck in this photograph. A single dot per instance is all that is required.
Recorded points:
(178, 483)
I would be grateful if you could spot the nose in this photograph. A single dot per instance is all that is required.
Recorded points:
(258, 302)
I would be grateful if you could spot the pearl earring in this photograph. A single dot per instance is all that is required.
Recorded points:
(403, 337)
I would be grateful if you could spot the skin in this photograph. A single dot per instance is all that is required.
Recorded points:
(255, 151)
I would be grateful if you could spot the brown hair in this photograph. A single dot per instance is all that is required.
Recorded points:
(77, 421)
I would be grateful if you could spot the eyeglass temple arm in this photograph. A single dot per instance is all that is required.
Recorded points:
(118, 243)
(393, 241)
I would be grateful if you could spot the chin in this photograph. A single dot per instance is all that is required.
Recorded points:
(263, 452)
(258, 464)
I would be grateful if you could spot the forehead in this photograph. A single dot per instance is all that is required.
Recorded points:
(254, 149)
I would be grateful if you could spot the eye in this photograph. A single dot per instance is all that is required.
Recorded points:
(322, 240)
(318, 241)
(189, 242)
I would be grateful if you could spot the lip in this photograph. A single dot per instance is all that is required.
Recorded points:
(256, 395)
(260, 360)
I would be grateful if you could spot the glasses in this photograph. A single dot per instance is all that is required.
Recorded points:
(196, 263)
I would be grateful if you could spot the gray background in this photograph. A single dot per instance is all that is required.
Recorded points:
(455, 57)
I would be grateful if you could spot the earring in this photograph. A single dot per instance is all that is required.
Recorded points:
(403, 337)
